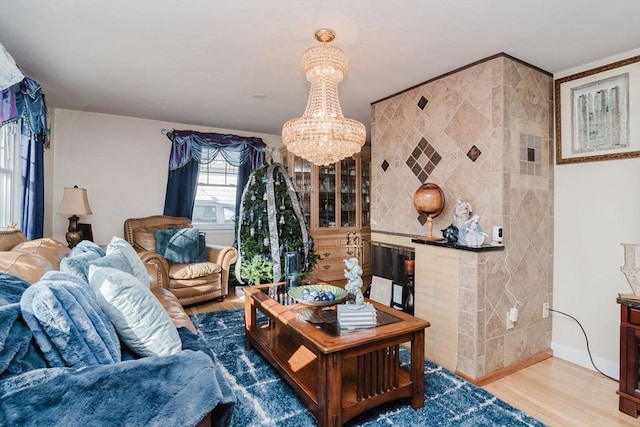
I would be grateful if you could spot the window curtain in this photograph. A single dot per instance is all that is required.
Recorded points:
(189, 149)
(24, 103)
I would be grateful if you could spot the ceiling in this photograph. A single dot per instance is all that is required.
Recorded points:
(236, 64)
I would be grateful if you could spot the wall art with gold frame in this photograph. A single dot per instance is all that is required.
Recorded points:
(598, 113)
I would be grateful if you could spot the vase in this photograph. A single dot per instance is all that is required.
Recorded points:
(291, 269)
(630, 268)
(408, 291)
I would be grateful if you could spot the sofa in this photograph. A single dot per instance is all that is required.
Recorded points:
(50, 375)
(192, 282)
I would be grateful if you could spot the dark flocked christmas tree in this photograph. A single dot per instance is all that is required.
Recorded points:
(270, 225)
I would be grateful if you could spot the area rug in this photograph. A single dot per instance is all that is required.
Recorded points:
(265, 399)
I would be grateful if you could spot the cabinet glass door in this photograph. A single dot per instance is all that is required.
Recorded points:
(348, 192)
(302, 181)
(327, 196)
(366, 196)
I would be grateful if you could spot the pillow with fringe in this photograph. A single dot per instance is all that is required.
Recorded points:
(181, 245)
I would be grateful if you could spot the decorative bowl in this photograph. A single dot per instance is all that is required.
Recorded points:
(339, 293)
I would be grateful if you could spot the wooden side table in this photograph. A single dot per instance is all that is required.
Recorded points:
(629, 391)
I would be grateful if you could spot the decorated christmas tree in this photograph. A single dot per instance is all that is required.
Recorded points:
(271, 224)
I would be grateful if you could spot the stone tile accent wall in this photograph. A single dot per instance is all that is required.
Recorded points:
(483, 133)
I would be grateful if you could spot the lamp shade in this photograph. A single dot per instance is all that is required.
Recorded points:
(74, 202)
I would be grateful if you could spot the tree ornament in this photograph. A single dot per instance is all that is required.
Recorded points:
(252, 232)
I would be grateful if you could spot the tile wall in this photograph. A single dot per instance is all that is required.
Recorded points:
(483, 133)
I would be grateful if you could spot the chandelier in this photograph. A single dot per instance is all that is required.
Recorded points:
(323, 135)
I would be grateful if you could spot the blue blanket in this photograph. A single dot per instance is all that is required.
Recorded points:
(18, 354)
(176, 390)
(180, 389)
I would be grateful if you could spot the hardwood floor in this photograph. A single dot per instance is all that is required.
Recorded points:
(554, 391)
(560, 393)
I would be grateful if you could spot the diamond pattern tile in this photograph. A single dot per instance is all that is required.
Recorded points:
(385, 165)
(473, 153)
(423, 102)
(423, 160)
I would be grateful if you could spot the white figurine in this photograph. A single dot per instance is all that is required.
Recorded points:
(471, 232)
(461, 212)
(353, 274)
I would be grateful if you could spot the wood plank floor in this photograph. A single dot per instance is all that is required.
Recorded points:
(554, 391)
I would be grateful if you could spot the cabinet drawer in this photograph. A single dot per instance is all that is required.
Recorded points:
(320, 243)
(332, 269)
(634, 316)
(329, 254)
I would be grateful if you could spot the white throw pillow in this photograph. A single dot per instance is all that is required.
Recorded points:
(139, 318)
(120, 245)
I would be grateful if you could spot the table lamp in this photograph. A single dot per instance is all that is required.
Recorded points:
(74, 203)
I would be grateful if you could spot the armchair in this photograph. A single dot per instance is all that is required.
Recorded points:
(190, 283)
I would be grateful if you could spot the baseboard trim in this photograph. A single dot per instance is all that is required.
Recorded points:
(501, 373)
(581, 358)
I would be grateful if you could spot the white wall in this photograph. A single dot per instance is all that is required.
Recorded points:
(121, 161)
(597, 207)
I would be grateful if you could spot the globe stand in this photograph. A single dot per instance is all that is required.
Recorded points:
(430, 229)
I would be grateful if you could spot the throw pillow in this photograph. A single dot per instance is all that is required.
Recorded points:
(141, 321)
(78, 265)
(181, 245)
(86, 246)
(68, 324)
(121, 246)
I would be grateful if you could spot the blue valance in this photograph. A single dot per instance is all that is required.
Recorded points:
(25, 100)
(204, 147)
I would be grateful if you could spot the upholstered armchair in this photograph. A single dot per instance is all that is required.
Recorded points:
(191, 282)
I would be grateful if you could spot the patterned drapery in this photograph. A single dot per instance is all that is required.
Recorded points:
(24, 103)
(189, 149)
(204, 147)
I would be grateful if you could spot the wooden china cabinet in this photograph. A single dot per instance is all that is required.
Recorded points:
(336, 202)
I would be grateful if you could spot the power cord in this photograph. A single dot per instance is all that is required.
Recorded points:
(587, 341)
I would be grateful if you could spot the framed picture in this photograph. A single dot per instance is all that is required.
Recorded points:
(87, 233)
(598, 113)
(381, 290)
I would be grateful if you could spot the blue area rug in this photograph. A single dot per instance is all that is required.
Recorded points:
(265, 399)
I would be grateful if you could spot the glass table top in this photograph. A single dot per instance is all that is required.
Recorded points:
(324, 318)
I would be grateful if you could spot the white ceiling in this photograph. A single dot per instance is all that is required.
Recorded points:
(202, 62)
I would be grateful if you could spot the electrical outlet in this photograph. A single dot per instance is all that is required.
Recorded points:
(545, 310)
(509, 324)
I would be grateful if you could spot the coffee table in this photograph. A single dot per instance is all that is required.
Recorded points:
(337, 374)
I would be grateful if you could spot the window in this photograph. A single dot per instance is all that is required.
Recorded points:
(216, 194)
(9, 174)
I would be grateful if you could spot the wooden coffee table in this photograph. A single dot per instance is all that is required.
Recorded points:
(338, 375)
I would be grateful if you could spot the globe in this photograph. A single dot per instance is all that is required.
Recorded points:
(429, 200)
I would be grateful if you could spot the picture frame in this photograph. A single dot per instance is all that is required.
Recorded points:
(381, 290)
(87, 232)
(598, 113)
